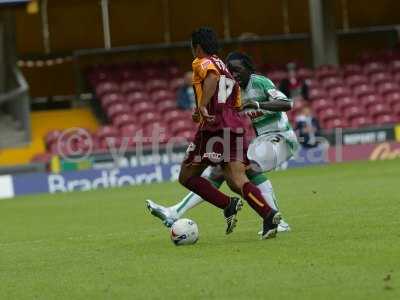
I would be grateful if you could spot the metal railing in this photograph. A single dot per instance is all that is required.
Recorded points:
(21, 87)
(19, 100)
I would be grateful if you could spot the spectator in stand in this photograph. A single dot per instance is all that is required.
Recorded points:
(307, 128)
(291, 86)
(185, 94)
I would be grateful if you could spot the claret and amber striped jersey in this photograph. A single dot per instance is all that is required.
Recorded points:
(225, 102)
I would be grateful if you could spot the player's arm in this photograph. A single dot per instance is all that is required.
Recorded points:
(209, 87)
(273, 105)
(276, 105)
(277, 101)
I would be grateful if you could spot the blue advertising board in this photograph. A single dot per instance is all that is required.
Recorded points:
(24, 184)
(92, 179)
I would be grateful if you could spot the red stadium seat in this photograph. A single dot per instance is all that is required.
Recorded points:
(137, 96)
(106, 87)
(326, 71)
(379, 109)
(129, 130)
(313, 83)
(143, 107)
(85, 144)
(61, 148)
(332, 82)
(396, 77)
(165, 106)
(351, 69)
(107, 131)
(117, 109)
(131, 86)
(385, 119)
(361, 121)
(367, 57)
(345, 102)
(335, 123)
(392, 98)
(111, 142)
(380, 77)
(161, 95)
(184, 136)
(388, 87)
(322, 104)
(156, 84)
(150, 73)
(148, 117)
(355, 80)
(123, 119)
(316, 93)
(396, 109)
(126, 74)
(391, 55)
(363, 89)
(354, 111)
(156, 132)
(371, 99)
(175, 84)
(304, 73)
(172, 116)
(339, 91)
(328, 114)
(395, 66)
(97, 76)
(112, 99)
(374, 67)
(52, 136)
(181, 125)
(173, 71)
(158, 126)
(277, 76)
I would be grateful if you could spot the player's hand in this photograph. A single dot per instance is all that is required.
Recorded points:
(206, 116)
(251, 104)
(254, 114)
(196, 116)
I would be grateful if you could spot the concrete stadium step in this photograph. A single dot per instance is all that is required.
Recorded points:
(10, 133)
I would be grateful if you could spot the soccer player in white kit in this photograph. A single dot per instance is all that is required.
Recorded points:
(275, 142)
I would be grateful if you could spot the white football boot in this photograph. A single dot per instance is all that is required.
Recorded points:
(163, 213)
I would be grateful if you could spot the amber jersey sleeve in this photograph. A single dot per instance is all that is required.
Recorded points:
(201, 67)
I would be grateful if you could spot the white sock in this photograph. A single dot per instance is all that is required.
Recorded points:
(268, 194)
(190, 201)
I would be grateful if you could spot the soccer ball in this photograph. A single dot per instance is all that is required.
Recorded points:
(184, 232)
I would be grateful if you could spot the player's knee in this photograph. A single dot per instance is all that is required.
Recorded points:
(236, 183)
(234, 187)
(183, 177)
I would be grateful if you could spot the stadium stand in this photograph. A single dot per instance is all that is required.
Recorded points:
(140, 98)
(45, 132)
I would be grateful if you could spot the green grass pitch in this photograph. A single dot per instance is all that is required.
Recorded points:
(344, 243)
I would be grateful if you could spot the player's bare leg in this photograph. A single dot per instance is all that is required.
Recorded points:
(190, 177)
(168, 215)
(235, 175)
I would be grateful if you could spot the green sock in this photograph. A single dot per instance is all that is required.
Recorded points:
(258, 178)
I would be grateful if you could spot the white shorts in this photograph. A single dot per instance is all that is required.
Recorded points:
(268, 152)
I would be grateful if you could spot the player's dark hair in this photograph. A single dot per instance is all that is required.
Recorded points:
(246, 60)
(207, 39)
